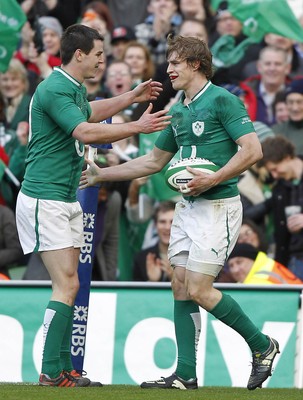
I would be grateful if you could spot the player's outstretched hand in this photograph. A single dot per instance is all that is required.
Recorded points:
(153, 122)
(90, 176)
(147, 91)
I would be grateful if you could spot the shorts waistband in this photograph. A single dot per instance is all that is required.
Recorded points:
(233, 199)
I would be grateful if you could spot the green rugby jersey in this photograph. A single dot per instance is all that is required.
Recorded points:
(208, 128)
(55, 158)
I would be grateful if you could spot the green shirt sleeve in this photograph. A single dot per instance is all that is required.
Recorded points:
(62, 108)
(166, 140)
(233, 116)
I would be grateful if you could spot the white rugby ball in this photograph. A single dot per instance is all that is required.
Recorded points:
(177, 175)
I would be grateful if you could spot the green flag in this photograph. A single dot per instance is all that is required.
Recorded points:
(2, 169)
(215, 4)
(265, 16)
(12, 18)
(226, 53)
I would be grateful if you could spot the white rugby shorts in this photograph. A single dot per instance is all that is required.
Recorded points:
(47, 224)
(203, 233)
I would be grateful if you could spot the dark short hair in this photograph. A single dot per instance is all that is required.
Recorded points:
(163, 206)
(276, 149)
(191, 50)
(280, 98)
(102, 10)
(263, 244)
(75, 37)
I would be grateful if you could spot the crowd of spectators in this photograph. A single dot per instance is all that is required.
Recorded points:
(267, 76)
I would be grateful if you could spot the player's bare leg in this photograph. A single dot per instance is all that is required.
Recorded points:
(57, 367)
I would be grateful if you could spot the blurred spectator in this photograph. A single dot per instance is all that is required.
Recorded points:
(255, 187)
(193, 27)
(139, 206)
(151, 264)
(292, 128)
(129, 12)
(252, 234)
(92, 8)
(33, 8)
(10, 249)
(248, 265)
(280, 42)
(51, 34)
(43, 53)
(280, 108)
(138, 57)
(262, 130)
(121, 35)
(118, 80)
(286, 203)
(226, 23)
(133, 226)
(163, 19)
(231, 49)
(261, 90)
(66, 11)
(17, 149)
(5, 134)
(107, 234)
(14, 86)
(16, 152)
(199, 10)
(6, 194)
(96, 15)
(22, 54)
(95, 86)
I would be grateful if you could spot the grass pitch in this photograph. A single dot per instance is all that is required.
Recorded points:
(128, 392)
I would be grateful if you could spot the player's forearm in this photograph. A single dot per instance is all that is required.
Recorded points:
(130, 170)
(89, 133)
(240, 162)
(102, 109)
(234, 167)
(115, 173)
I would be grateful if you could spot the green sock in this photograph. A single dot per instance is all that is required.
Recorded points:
(65, 353)
(229, 312)
(187, 328)
(55, 323)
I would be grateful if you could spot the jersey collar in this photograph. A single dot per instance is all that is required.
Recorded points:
(196, 96)
(58, 69)
(203, 90)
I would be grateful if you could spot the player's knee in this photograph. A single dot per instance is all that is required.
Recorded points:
(74, 285)
(178, 280)
(201, 297)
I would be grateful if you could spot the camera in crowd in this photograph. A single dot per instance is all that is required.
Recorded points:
(38, 37)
